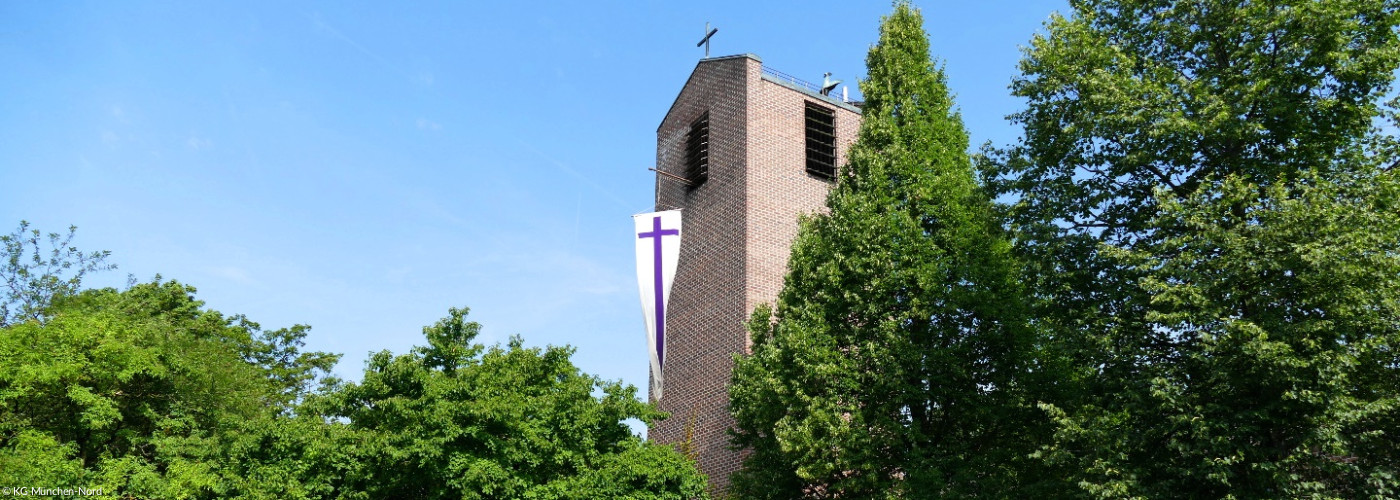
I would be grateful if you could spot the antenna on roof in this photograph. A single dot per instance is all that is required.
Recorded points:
(828, 84)
(706, 41)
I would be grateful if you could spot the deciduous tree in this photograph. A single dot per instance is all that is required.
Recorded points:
(32, 276)
(898, 359)
(134, 391)
(457, 419)
(1205, 202)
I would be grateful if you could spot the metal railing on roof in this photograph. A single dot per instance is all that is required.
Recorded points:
(792, 79)
(814, 88)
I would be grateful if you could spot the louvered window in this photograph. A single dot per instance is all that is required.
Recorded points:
(821, 141)
(697, 151)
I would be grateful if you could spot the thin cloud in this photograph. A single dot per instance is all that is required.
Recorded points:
(397, 275)
(234, 274)
(426, 124)
(579, 176)
(198, 143)
(322, 26)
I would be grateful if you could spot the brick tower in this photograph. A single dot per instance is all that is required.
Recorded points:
(743, 151)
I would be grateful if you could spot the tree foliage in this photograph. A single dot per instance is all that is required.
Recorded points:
(145, 392)
(898, 359)
(456, 419)
(133, 391)
(33, 277)
(1205, 203)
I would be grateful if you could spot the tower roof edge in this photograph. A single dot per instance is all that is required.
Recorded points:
(672, 107)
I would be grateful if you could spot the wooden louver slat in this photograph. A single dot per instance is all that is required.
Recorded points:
(821, 141)
(697, 151)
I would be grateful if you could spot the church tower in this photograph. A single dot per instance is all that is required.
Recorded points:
(743, 151)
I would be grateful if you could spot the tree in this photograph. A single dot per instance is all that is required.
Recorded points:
(455, 419)
(145, 392)
(1205, 204)
(34, 277)
(136, 391)
(898, 361)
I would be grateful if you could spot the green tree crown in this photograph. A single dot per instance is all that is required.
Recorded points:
(897, 356)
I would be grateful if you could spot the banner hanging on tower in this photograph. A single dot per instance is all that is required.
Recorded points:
(658, 248)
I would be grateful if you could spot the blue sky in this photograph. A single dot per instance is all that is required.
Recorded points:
(361, 167)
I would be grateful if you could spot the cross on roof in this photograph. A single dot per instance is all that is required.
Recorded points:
(706, 41)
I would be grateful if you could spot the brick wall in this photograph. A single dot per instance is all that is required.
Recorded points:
(779, 187)
(738, 227)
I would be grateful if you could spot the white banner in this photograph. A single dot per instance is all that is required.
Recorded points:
(658, 248)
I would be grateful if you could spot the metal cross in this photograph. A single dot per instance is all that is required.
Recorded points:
(706, 41)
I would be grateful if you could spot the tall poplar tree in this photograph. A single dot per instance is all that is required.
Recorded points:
(897, 360)
(1207, 205)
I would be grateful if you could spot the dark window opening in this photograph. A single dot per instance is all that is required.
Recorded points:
(821, 141)
(697, 151)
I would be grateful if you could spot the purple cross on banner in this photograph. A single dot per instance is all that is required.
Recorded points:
(656, 267)
(657, 286)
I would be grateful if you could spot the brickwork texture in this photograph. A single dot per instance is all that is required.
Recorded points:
(738, 230)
